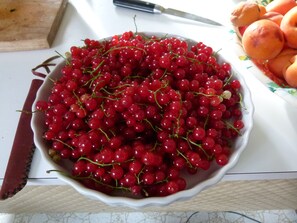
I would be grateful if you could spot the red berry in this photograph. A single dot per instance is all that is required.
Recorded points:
(222, 159)
(198, 133)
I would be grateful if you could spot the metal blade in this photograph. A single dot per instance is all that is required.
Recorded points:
(190, 16)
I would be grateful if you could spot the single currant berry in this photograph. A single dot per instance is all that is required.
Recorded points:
(173, 173)
(194, 158)
(135, 166)
(129, 180)
(238, 124)
(150, 159)
(148, 178)
(169, 146)
(208, 142)
(42, 105)
(179, 163)
(204, 164)
(160, 176)
(121, 155)
(165, 61)
(79, 168)
(99, 172)
(235, 84)
(172, 187)
(136, 189)
(222, 159)
(198, 133)
(116, 172)
(85, 146)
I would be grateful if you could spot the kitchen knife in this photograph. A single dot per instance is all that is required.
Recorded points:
(158, 9)
(22, 151)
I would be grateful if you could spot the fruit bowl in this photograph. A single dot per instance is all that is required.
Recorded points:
(268, 79)
(260, 69)
(206, 148)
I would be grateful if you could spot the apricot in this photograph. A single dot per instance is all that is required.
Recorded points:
(290, 72)
(289, 27)
(281, 6)
(277, 64)
(245, 13)
(273, 16)
(263, 40)
(262, 9)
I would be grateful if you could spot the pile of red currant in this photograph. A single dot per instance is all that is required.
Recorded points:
(133, 113)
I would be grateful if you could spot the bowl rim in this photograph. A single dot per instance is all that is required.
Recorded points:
(154, 201)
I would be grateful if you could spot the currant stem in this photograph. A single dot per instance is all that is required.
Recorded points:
(155, 93)
(134, 20)
(241, 101)
(183, 156)
(80, 104)
(26, 112)
(66, 58)
(178, 119)
(232, 127)
(90, 82)
(197, 145)
(228, 80)
(123, 47)
(104, 164)
(104, 133)
(65, 144)
(88, 177)
(153, 127)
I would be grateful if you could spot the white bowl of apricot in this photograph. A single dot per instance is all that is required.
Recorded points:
(142, 119)
(267, 34)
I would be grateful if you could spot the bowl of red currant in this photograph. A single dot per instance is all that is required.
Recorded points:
(142, 119)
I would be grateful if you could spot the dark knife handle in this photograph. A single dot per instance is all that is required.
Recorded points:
(136, 4)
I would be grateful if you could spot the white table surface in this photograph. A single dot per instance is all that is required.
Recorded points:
(272, 150)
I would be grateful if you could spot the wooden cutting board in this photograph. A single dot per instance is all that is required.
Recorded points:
(29, 24)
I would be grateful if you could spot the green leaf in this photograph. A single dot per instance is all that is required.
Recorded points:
(273, 85)
(293, 92)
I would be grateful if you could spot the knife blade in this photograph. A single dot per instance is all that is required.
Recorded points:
(158, 9)
(22, 151)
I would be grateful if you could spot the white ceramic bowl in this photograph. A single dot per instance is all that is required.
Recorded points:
(194, 184)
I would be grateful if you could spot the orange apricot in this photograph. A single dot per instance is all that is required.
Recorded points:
(262, 9)
(263, 40)
(273, 16)
(277, 64)
(289, 27)
(245, 13)
(281, 6)
(290, 72)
